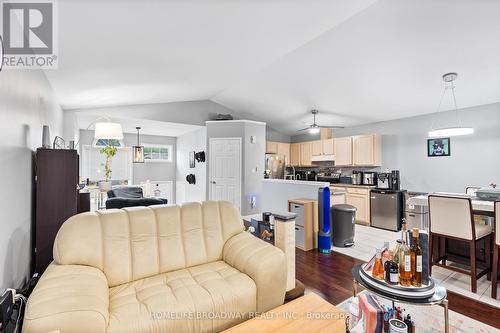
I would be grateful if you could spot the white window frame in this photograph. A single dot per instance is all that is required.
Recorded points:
(155, 145)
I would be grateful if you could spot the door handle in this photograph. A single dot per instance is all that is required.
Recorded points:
(213, 182)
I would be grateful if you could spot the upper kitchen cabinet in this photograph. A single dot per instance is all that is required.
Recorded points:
(367, 150)
(306, 153)
(271, 147)
(322, 147)
(317, 147)
(284, 149)
(295, 154)
(343, 151)
(328, 147)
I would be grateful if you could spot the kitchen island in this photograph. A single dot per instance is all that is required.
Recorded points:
(277, 192)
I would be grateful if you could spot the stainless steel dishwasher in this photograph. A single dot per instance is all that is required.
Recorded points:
(386, 209)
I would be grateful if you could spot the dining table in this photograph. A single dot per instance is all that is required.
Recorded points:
(479, 206)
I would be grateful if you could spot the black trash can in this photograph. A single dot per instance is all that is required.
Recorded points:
(342, 217)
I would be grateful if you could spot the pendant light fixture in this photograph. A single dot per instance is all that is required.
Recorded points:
(138, 150)
(449, 79)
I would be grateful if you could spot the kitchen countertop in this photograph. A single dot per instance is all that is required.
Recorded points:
(296, 182)
(352, 185)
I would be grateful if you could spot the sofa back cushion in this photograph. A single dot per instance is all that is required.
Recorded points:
(134, 243)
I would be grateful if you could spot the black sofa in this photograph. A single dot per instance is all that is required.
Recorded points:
(130, 196)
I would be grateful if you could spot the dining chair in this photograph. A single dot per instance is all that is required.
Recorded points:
(496, 245)
(452, 218)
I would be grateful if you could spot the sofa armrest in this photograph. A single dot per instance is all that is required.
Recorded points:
(68, 299)
(264, 263)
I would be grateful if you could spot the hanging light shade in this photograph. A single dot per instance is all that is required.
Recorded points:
(138, 151)
(449, 79)
(451, 131)
(108, 130)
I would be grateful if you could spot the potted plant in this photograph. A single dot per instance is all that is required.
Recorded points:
(109, 152)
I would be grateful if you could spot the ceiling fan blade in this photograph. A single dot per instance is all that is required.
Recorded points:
(306, 123)
(303, 129)
(332, 126)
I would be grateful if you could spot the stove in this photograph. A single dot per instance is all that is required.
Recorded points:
(331, 177)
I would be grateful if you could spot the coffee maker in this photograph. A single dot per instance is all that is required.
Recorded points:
(389, 181)
(395, 180)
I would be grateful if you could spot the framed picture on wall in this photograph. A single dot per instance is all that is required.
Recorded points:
(191, 159)
(437, 147)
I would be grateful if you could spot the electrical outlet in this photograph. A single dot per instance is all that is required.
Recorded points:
(6, 307)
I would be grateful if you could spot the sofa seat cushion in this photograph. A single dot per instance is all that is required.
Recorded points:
(206, 298)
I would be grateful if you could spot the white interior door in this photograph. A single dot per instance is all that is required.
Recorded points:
(225, 170)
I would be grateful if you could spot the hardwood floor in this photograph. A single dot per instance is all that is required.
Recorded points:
(330, 276)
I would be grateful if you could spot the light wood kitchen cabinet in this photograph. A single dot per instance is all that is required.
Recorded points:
(322, 147)
(271, 147)
(343, 151)
(295, 154)
(367, 150)
(328, 148)
(306, 153)
(317, 148)
(362, 204)
(337, 199)
(284, 149)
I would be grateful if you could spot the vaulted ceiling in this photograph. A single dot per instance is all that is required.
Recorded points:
(357, 61)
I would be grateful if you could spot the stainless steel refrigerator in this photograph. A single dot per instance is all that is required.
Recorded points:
(386, 209)
(275, 166)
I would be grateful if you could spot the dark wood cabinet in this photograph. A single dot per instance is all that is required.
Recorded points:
(56, 173)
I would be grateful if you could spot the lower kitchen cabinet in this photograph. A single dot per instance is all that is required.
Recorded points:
(337, 199)
(362, 204)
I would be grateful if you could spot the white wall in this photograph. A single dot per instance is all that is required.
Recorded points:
(474, 160)
(26, 103)
(193, 141)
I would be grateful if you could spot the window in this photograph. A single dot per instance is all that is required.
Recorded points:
(157, 153)
(107, 142)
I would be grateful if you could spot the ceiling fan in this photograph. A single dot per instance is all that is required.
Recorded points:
(315, 128)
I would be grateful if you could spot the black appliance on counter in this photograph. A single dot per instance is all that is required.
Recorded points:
(386, 209)
(309, 175)
(396, 182)
(357, 177)
(331, 177)
(345, 180)
(370, 178)
(384, 181)
(388, 180)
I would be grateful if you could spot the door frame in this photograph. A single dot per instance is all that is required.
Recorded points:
(210, 167)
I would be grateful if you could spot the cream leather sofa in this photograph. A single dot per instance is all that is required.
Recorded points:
(156, 269)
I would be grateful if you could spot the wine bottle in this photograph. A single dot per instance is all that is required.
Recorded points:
(378, 267)
(416, 260)
(405, 261)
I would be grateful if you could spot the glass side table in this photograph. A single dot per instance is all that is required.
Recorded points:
(438, 298)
